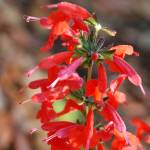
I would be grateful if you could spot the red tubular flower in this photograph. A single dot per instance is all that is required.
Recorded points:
(67, 72)
(61, 18)
(121, 66)
(79, 33)
(70, 106)
(142, 129)
(114, 85)
(96, 88)
(102, 78)
(110, 114)
(42, 20)
(71, 10)
(74, 82)
(47, 113)
(92, 89)
(122, 50)
(54, 60)
(71, 132)
(51, 61)
(116, 97)
(89, 128)
(119, 143)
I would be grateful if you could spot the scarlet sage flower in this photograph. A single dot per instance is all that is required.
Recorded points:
(96, 88)
(79, 33)
(110, 114)
(121, 66)
(60, 19)
(68, 71)
(71, 133)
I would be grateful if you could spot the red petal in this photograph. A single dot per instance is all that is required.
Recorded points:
(38, 83)
(110, 114)
(102, 78)
(55, 126)
(114, 85)
(139, 123)
(71, 105)
(60, 28)
(89, 128)
(116, 99)
(121, 50)
(90, 87)
(106, 133)
(79, 25)
(71, 10)
(120, 144)
(55, 59)
(46, 113)
(74, 82)
(129, 71)
(39, 97)
(67, 72)
(100, 147)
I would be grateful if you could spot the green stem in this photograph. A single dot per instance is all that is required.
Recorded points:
(89, 73)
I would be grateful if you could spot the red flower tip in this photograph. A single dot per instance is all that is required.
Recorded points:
(94, 56)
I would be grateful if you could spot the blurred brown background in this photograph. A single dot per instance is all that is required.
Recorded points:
(19, 51)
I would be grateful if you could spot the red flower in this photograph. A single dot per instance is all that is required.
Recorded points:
(71, 133)
(119, 143)
(143, 129)
(121, 66)
(78, 31)
(96, 88)
(110, 114)
(71, 10)
(63, 88)
(68, 71)
(59, 21)
(102, 78)
(122, 50)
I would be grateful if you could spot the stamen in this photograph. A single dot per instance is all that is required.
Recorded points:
(31, 131)
(49, 6)
(49, 138)
(25, 101)
(31, 18)
(54, 83)
(30, 72)
(142, 89)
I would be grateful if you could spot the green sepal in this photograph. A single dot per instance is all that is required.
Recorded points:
(108, 54)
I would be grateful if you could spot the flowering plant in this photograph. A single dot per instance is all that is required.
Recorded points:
(97, 99)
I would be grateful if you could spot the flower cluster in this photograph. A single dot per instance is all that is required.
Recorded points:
(97, 99)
